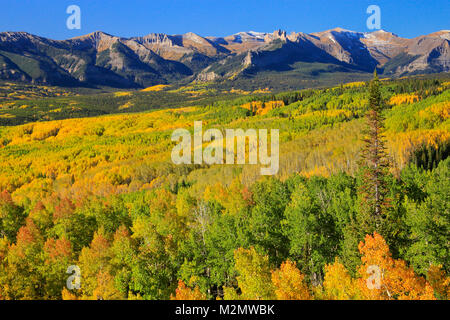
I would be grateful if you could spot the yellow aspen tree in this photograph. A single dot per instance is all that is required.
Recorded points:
(105, 289)
(183, 292)
(254, 278)
(440, 282)
(289, 283)
(338, 284)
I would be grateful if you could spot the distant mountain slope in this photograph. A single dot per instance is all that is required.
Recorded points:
(102, 59)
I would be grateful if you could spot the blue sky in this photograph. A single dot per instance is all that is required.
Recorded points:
(407, 18)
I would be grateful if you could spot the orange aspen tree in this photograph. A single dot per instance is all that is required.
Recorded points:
(289, 283)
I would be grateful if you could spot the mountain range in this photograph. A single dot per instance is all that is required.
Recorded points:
(101, 59)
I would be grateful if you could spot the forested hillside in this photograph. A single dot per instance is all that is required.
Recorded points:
(94, 186)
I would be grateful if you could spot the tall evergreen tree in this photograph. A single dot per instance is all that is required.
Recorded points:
(373, 186)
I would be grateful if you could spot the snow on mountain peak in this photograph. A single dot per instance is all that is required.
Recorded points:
(251, 34)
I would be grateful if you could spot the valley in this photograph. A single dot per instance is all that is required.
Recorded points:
(87, 180)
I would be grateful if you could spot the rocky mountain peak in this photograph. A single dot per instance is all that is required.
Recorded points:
(155, 38)
(96, 35)
(101, 58)
(381, 35)
(194, 37)
(99, 40)
(277, 34)
(443, 34)
(19, 36)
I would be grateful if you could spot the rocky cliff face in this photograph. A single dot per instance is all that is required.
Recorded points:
(102, 59)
